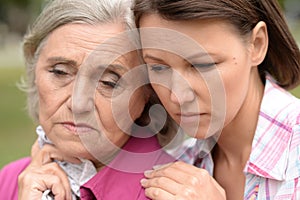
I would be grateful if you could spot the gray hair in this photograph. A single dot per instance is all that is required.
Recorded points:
(61, 12)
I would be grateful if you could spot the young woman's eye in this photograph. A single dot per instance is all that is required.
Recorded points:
(204, 65)
(158, 68)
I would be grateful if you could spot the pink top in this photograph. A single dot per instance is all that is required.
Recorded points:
(9, 178)
(119, 180)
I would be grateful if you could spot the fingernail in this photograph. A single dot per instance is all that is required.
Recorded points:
(157, 166)
(147, 173)
(143, 182)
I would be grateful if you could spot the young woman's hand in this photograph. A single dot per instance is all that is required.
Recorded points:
(181, 181)
(42, 174)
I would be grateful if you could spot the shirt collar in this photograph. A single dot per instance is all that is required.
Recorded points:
(122, 176)
(270, 145)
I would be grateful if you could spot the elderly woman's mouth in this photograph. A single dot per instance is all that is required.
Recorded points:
(77, 128)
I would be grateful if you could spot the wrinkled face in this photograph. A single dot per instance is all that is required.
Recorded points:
(199, 69)
(87, 98)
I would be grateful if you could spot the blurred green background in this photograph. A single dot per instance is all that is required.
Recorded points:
(17, 131)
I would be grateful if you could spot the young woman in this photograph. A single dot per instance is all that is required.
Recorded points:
(222, 70)
(84, 92)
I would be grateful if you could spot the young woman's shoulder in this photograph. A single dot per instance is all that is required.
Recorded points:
(9, 178)
(293, 168)
(280, 105)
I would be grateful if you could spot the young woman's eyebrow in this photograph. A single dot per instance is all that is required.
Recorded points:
(188, 58)
(148, 56)
(198, 55)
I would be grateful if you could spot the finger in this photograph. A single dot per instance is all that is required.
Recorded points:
(182, 183)
(55, 154)
(185, 167)
(172, 187)
(199, 177)
(158, 194)
(34, 176)
(45, 155)
(157, 167)
(35, 148)
(54, 169)
(178, 191)
(32, 185)
(26, 187)
(179, 165)
(54, 183)
(49, 153)
(164, 183)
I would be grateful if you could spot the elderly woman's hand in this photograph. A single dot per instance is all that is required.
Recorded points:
(181, 181)
(43, 174)
(35, 149)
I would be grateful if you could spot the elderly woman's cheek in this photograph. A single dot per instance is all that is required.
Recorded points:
(137, 103)
(51, 98)
(125, 109)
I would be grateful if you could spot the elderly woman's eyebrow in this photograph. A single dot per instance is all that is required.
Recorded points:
(60, 59)
(113, 68)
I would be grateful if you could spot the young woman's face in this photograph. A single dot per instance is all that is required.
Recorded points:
(200, 70)
(83, 97)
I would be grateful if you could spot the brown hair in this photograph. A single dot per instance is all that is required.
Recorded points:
(283, 57)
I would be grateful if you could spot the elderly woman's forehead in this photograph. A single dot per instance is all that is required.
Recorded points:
(102, 41)
(122, 63)
(87, 32)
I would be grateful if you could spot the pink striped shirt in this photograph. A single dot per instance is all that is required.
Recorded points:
(273, 168)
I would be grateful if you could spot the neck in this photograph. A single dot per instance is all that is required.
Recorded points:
(235, 142)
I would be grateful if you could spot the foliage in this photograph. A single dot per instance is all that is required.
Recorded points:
(281, 2)
(16, 129)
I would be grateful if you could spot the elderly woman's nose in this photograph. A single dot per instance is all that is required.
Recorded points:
(82, 96)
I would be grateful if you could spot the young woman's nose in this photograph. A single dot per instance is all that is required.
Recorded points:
(181, 91)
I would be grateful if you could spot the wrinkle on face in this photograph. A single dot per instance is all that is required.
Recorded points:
(81, 50)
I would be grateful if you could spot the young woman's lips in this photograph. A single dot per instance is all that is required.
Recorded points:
(77, 128)
(187, 118)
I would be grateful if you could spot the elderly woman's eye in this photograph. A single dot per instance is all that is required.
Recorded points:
(109, 84)
(109, 80)
(58, 72)
(109, 88)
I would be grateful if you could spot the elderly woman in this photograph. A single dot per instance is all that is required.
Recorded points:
(83, 90)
